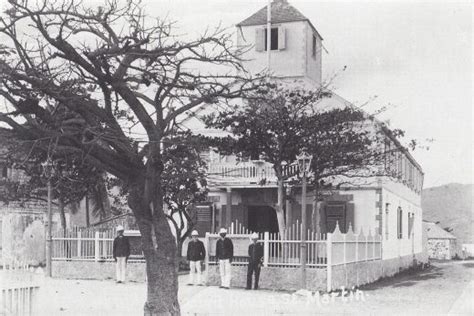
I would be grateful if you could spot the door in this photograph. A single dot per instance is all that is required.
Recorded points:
(262, 219)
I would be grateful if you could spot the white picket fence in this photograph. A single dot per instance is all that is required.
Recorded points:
(19, 288)
(322, 250)
(86, 244)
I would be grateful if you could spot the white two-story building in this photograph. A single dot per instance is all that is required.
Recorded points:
(386, 206)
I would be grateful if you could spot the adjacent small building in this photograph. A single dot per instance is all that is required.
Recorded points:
(441, 245)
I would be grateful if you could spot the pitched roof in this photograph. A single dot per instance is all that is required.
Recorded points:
(433, 231)
(282, 12)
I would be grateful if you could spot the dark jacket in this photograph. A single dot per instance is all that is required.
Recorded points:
(255, 253)
(196, 251)
(121, 247)
(224, 249)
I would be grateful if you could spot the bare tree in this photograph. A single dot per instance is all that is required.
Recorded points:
(80, 78)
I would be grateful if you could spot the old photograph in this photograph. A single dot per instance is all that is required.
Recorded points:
(236, 157)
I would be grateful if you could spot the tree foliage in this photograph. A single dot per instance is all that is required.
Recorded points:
(108, 84)
(184, 181)
(281, 121)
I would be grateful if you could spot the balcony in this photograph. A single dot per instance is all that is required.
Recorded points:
(241, 173)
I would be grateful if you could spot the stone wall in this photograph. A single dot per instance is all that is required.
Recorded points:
(360, 273)
(441, 249)
(22, 238)
(96, 270)
(349, 275)
(273, 278)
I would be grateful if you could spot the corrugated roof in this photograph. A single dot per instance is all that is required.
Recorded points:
(433, 231)
(282, 12)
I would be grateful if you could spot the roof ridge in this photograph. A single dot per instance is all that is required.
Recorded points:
(281, 11)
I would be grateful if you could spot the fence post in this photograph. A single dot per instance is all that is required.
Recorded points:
(96, 247)
(79, 244)
(329, 261)
(104, 251)
(206, 258)
(367, 248)
(357, 258)
(374, 244)
(367, 257)
(266, 248)
(345, 258)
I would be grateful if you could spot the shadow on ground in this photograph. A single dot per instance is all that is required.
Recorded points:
(406, 278)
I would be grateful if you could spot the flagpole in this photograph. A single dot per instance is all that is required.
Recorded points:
(269, 35)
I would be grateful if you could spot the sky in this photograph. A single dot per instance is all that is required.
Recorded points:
(415, 57)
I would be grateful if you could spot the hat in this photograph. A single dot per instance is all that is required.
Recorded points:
(223, 231)
(119, 228)
(254, 236)
(195, 233)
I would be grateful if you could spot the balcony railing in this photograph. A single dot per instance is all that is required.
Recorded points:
(241, 171)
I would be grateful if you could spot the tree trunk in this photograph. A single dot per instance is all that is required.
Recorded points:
(62, 215)
(159, 248)
(88, 221)
(280, 210)
(317, 210)
(182, 264)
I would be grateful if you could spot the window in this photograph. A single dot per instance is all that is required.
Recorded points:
(273, 39)
(335, 213)
(277, 39)
(314, 46)
(399, 223)
(411, 220)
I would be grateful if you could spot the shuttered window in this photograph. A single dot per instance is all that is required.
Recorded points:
(341, 213)
(277, 39)
(411, 219)
(335, 213)
(399, 223)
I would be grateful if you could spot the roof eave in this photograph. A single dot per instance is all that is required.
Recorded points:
(241, 24)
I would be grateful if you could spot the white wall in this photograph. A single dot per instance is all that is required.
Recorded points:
(397, 196)
(293, 61)
(364, 210)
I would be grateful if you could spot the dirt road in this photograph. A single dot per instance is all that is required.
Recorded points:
(444, 289)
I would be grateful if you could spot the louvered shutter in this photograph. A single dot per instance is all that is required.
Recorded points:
(259, 39)
(322, 218)
(281, 38)
(349, 217)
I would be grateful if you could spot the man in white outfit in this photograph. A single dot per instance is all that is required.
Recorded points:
(196, 253)
(224, 254)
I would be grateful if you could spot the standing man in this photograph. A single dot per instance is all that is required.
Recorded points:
(224, 254)
(196, 253)
(121, 253)
(255, 261)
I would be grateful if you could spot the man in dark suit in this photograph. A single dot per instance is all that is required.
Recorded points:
(121, 252)
(224, 254)
(255, 261)
(196, 253)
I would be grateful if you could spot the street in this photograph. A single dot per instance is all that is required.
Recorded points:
(445, 288)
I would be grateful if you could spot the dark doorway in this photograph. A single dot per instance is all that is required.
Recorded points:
(262, 219)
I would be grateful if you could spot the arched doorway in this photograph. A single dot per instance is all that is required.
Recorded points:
(262, 218)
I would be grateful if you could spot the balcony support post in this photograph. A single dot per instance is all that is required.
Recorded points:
(228, 214)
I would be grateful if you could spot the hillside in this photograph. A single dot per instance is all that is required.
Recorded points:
(451, 205)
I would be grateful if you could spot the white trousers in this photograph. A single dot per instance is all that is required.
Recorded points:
(225, 271)
(121, 268)
(195, 272)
